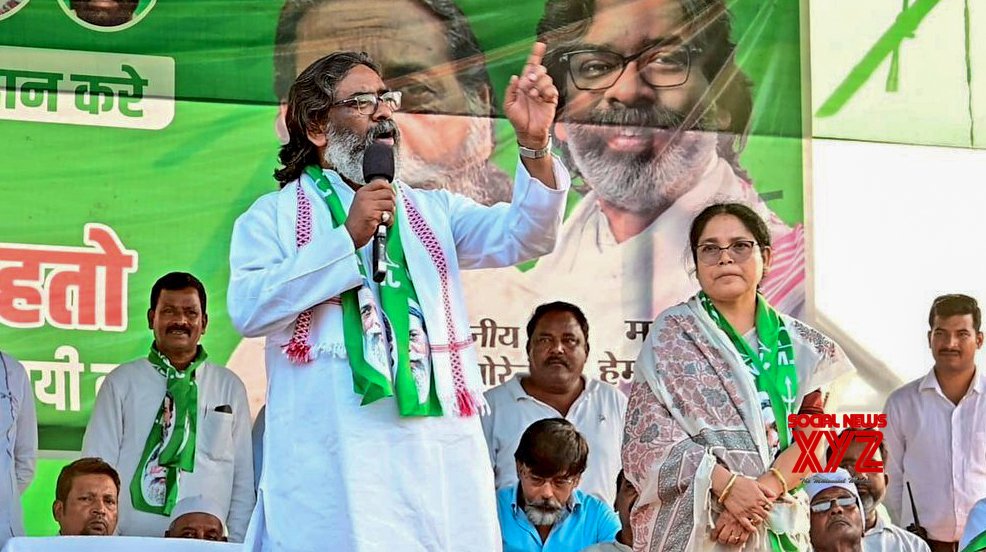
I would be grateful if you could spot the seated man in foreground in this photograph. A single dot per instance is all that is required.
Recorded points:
(836, 512)
(546, 512)
(86, 498)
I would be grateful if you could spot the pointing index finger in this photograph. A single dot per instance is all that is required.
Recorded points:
(537, 52)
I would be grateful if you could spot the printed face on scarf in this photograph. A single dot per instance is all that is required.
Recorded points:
(419, 340)
(446, 135)
(167, 416)
(954, 342)
(729, 280)
(557, 351)
(90, 507)
(178, 322)
(630, 140)
(348, 132)
(371, 324)
(840, 524)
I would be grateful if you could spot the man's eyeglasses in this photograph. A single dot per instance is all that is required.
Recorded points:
(846, 502)
(366, 104)
(556, 482)
(738, 251)
(660, 65)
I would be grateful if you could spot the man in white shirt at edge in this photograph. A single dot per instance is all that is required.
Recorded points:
(19, 427)
(172, 424)
(936, 428)
(557, 347)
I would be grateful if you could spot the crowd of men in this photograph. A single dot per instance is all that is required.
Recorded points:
(553, 437)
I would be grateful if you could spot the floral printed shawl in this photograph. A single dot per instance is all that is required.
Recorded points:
(693, 403)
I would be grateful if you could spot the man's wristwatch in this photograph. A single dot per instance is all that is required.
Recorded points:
(535, 153)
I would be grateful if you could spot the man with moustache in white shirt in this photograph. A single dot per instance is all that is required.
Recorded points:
(936, 428)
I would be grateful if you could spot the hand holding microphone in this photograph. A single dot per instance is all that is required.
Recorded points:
(378, 173)
(372, 201)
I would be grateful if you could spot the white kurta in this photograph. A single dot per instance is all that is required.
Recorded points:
(19, 437)
(597, 413)
(125, 409)
(337, 475)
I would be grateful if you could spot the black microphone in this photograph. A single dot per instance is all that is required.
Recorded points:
(378, 164)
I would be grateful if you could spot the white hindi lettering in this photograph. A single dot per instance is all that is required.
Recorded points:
(58, 383)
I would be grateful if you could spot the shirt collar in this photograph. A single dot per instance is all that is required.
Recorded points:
(930, 381)
(878, 528)
(979, 382)
(517, 390)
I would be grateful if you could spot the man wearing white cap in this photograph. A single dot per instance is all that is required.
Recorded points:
(197, 517)
(836, 512)
(881, 534)
(974, 536)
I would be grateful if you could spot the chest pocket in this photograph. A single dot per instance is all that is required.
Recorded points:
(215, 438)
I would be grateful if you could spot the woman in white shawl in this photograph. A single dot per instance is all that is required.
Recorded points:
(706, 436)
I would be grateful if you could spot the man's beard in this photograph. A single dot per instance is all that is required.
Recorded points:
(465, 168)
(121, 12)
(869, 501)
(545, 512)
(647, 181)
(345, 150)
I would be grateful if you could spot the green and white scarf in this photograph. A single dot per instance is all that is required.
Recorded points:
(170, 446)
(772, 366)
(774, 373)
(368, 336)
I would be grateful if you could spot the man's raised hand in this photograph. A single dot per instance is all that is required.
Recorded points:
(531, 101)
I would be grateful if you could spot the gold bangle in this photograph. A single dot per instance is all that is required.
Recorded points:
(729, 487)
(780, 477)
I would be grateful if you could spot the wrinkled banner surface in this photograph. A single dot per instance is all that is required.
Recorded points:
(135, 134)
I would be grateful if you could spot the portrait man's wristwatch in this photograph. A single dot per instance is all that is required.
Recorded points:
(535, 153)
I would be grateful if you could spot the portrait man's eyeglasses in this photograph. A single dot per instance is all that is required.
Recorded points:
(366, 104)
(660, 65)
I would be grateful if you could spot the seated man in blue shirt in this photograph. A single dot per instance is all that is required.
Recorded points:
(545, 512)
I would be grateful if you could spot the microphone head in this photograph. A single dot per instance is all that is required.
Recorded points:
(378, 162)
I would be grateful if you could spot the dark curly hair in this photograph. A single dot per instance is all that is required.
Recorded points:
(309, 100)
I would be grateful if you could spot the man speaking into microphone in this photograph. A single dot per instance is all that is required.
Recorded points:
(373, 440)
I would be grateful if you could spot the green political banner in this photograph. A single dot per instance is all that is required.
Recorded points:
(136, 133)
